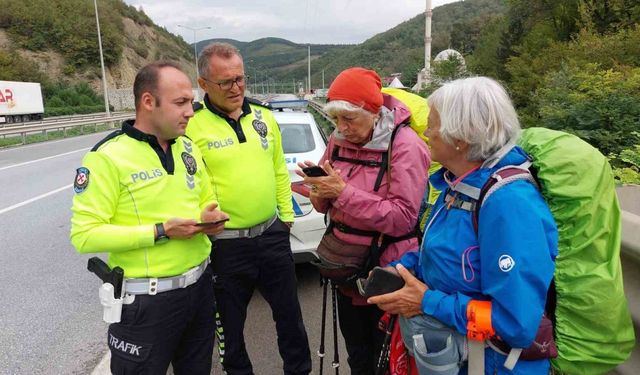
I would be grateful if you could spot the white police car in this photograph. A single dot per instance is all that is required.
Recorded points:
(302, 139)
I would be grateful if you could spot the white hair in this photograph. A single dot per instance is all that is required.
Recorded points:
(335, 106)
(477, 111)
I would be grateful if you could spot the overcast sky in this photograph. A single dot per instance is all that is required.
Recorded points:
(301, 21)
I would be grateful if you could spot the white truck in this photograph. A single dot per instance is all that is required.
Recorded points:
(20, 102)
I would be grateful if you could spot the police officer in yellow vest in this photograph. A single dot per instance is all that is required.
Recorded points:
(241, 146)
(139, 195)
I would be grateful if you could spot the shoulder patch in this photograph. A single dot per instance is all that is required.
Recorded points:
(106, 139)
(197, 106)
(81, 181)
(259, 102)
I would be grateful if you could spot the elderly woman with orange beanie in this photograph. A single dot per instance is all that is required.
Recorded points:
(376, 175)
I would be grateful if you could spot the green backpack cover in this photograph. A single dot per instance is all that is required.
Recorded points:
(594, 332)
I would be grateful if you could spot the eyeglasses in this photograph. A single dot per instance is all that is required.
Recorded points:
(228, 84)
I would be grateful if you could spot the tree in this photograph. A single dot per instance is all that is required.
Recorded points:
(601, 106)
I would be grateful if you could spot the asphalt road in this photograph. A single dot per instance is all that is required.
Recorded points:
(49, 312)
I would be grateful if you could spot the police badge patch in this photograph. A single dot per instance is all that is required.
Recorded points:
(261, 128)
(189, 163)
(82, 180)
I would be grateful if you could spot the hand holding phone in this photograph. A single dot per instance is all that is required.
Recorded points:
(211, 223)
(314, 171)
(380, 281)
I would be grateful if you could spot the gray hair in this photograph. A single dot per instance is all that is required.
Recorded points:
(223, 50)
(477, 111)
(333, 107)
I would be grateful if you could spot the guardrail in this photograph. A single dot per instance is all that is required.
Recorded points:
(629, 196)
(55, 119)
(71, 118)
(30, 128)
(318, 107)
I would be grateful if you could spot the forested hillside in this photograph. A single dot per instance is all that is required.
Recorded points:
(401, 49)
(54, 42)
(279, 59)
(572, 65)
(398, 50)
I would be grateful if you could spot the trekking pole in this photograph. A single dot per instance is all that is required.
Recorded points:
(383, 360)
(324, 283)
(336, 355)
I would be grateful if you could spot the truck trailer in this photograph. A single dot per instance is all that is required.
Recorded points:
(20, 102)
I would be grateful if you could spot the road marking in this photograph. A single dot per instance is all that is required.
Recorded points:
(42, 159)
(18, 205)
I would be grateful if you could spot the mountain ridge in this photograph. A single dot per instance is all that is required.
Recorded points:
(131, 39)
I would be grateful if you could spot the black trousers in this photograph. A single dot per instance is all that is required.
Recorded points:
(175, 326)
(266, 263)
(363, 339)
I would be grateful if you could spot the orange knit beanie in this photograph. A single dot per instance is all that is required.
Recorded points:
(358, 86)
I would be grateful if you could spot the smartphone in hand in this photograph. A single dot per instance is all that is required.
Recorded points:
(211, 223)
(314, 171)
(382, 280)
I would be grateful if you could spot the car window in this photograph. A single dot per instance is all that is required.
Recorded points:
(297, 138)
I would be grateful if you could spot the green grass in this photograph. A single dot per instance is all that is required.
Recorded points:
(53, 135)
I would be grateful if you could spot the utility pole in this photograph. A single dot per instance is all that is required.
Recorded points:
(255, 81)
(104, 76)
(195, 44)
(254, 89)
(427, 39)
(424, 76)
(309, 69)
(323, 79)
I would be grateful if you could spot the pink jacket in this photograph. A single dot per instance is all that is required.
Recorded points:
(393, 210)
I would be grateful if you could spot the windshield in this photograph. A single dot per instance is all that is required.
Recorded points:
(297, 138)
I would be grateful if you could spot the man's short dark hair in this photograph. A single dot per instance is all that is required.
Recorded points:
(147, 80)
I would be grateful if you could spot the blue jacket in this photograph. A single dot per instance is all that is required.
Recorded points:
(510, 262)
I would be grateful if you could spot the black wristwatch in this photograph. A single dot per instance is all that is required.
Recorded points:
(161, 235)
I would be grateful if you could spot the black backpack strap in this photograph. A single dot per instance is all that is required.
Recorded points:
(386, 165)
(498, 179)
(387, 240)
(335, 155)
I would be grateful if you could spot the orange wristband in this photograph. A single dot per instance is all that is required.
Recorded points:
(479, 320)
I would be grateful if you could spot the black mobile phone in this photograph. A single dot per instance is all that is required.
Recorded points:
(314, 171)
(382, 280)
(211, 223)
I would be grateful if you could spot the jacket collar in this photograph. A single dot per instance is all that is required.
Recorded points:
(129, 129)
(514, 155)
(166, 158)
(246, 109)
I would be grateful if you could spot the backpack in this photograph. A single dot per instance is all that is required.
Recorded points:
(592, 324)
(418, 122)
